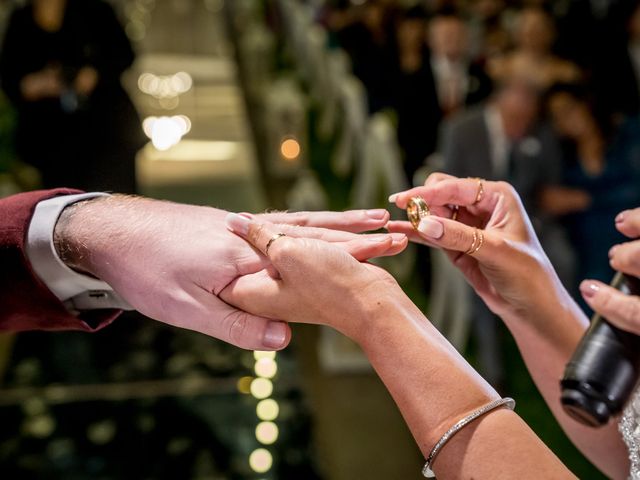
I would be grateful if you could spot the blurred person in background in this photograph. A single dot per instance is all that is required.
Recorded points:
(503, 140)
(616, 73)
(60, 66)
(459, 82)
(487, 34)
(533, 36)
(369, 43)
(436, 79)
(602, 171)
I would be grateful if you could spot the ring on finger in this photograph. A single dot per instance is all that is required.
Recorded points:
(480, 192)
(456, 210)
(476, 244)
(417, 209)
(271, 240)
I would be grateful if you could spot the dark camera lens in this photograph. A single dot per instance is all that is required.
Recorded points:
(604, 370)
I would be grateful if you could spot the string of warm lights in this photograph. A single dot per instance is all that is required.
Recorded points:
(267, 409)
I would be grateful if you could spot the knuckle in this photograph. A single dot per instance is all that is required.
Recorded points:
(256, 232)
(237, 329)
(631, 310)
(506, 188)
(458, 238)
(434, 178)
(284, 251)
(301, 219)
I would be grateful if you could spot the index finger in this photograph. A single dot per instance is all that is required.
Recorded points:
(464, 192)
(355, 221)
(628, 223)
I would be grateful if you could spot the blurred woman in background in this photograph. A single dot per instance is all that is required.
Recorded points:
(602, 173)
(533, 37)
(60, 66)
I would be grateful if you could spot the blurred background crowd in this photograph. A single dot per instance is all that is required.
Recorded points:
(294, 104)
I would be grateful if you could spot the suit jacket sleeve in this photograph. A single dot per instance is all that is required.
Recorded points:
(25, 301)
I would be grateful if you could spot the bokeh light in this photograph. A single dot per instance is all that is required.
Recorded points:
(165, 132)
(266, 368)
(267, 433)
(260, 460)
(268, 409)
(244, 385)
(261, 388)
(290, 149)
(258, 354)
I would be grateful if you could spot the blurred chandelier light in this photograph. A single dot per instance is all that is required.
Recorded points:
(165, 132)
(165, 86)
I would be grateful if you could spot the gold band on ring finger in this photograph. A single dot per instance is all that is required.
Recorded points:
(480, 242)
(271, 240)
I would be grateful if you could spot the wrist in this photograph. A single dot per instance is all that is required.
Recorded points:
(69, 236)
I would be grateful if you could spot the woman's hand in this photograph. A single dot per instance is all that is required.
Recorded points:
(310, 280)
(620, 309)
(509, 271)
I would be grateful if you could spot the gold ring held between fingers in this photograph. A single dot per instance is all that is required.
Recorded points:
(417, 209)
(456, 210)
(273, 239)
(476, 244)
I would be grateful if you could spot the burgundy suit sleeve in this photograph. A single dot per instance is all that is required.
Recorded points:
(25, 301)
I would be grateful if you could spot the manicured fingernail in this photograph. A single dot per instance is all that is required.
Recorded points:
(393, 198)
(378, 238)
(620, 217)
(398, 237)
(431, 227)
(237, 223)
(589, 289)
(612, 251)
(275, 335)
(377, 214)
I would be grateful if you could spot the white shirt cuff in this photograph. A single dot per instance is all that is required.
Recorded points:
(77, 291)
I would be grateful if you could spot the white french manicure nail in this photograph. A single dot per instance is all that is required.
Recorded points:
(431, 228)
(237, 223)
(393, 198)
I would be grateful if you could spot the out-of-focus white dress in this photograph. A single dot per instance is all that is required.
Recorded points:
(630, 429)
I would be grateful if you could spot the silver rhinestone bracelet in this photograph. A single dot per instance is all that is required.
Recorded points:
(510, 403)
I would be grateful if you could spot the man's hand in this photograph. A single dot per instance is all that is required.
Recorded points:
(170, 261)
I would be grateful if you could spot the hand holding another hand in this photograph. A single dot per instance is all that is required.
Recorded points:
(311, 280)
(171, 261)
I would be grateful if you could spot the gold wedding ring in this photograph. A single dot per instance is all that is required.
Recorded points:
(476, 244)
(456, 210)
(271, 240)
(480, 193)
(417, 209)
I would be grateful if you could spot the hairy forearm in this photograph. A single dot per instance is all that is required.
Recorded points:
(95, 236)
(547, 338)
(434, 387)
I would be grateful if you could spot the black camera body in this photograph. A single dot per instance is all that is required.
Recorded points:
(605, 368)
